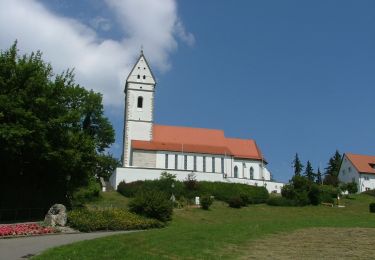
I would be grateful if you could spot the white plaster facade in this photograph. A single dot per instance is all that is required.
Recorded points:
(146, 164)
(349, 173)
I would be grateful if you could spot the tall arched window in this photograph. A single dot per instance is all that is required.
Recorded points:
(235, 172)
(140, 102)
(251, 173)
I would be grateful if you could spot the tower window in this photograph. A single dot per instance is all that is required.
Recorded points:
(144, 76)
(140, 102)
(138, 76)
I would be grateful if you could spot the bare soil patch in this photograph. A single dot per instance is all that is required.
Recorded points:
(315, 243)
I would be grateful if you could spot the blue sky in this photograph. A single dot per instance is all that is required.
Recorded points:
(296, 76)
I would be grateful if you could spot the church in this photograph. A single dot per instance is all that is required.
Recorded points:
(150, 149)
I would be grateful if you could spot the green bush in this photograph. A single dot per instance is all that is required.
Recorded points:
(235, 202)
(314, 195)
(281, 201)
(372, 207)
(370, 192)
(152, 204)
(86, 194)
(226, 191)
(88, 220)
(191, 188)
(206, 202)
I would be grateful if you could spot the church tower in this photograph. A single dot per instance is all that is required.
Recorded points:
(139, 106)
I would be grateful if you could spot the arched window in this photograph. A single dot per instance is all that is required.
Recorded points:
(235, 172)
(144, 76)
(138, 76)
(140, 102)
(251, 173)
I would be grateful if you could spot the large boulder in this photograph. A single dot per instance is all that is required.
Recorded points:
(56, 216)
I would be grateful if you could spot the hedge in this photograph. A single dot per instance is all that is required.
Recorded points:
(88, 220)
(220, 190)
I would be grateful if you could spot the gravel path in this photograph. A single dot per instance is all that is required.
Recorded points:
(25, 247)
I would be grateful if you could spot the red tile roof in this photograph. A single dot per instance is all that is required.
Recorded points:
(198, 140)
(363, 163)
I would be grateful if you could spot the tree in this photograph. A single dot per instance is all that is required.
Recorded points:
(53, 133)
(351, 187)
(319, 177)
(297, 165)
(309, 172)
(332, 170)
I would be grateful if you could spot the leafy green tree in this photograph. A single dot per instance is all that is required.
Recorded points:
(332, 170)
(297, 166)
(309, 172)
(319, 177)
(53, 133)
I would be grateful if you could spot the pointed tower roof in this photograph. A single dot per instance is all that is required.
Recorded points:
(141, 72)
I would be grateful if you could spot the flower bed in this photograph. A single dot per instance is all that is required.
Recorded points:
(24, 229)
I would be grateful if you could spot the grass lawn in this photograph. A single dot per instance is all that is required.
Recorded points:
(221, 232)
(110, 199)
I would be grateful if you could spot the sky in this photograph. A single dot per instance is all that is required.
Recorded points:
(296, 76)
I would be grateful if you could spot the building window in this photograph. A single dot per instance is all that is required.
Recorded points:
(349, 169)
(144, 76)
(367, 178)
(185, 162)
(175, 161)
(213, 164)
(222, 165)
(139, 76)
(195, 163)
(235, 172)
(140, 102)
(367, 188)
(251, 173)
(166, 161)
(204, 163)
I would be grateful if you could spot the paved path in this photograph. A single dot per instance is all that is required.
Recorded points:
(21, 248)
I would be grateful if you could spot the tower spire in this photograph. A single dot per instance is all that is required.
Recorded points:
(141, 49)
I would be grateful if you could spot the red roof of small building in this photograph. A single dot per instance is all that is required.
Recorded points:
(198, 140)
(363, 163)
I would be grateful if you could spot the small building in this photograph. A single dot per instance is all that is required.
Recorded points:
(149, 148)
(359, 169)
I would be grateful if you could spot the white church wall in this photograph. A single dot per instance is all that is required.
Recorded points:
(144, 159)
(131, 174)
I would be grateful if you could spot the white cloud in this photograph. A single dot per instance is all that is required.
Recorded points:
(101, 64)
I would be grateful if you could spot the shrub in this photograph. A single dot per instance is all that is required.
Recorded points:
(235, 202)
(206, 202)
(314, 195)
(370, 192)
(281, 201)
(351, 187)
(152, 204)
(129, 189)
(226, 191)
(87, 220)
(372, 207)
(85, 194)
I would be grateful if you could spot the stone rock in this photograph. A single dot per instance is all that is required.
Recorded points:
(56, 216)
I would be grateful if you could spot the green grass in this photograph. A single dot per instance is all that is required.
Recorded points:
(220, 232)
(111, 199)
